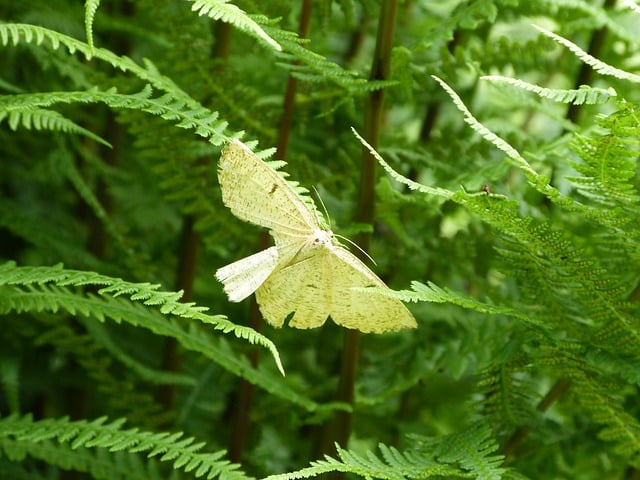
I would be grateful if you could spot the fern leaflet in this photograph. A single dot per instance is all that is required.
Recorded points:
(229, 13)
(584, 95)
(182, 452)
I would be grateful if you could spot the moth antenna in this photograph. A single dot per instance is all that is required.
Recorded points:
(326, 212)
(357, 246)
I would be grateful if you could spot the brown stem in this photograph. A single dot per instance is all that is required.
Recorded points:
(380, 70)
(244, 395)
(433, 109)
(222, 33)
(187, 259)
(284, 132)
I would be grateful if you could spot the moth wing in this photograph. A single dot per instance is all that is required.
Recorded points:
(321, 285)
(242, 278)
(295, 287)
(369, 312)
(256, 193)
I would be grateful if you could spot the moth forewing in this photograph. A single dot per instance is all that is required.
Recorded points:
(256, 193)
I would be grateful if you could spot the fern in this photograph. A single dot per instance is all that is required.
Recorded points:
(542, 260)
(168, 302)
(202, 121)
(506, 219)
(608, 163)
(13, 34)
(90, 9)
(464, 454)
(227, 12)
(539, 182)
(601, 404)
(584, 95)
(40, 119)
(473, 450)
(393, 465)
(25, 434)
(598, 65)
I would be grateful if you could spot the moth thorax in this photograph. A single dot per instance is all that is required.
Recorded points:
(322, 237)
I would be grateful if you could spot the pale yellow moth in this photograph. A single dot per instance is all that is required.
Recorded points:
(307, 272)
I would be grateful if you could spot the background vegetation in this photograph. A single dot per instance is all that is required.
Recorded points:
(508, 218)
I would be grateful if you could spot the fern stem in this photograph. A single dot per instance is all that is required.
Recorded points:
(222, 33)
(380, 69)
(187, 258)
(244, 397)
(284, 131)
(433, 109)
(356, 40)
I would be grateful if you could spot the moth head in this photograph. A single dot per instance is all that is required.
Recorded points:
(322, 237)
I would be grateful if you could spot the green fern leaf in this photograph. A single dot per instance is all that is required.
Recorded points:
(182, 452)
(229, 13)
(584, 95)
(40, 119)
(394, 465)
(473, 450)
(45, 297)
(598, 65)
(90, 9)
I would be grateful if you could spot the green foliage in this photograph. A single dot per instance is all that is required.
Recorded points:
(227, 12)
(506, 212)
(23, 435)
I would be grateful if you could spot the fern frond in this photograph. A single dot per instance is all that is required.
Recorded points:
(309, 66)
(441, 192)
(584, 95)
(468, 453)
(15, 33)
(185, 115)
(42, 297)
(38, 295)
(608, 162)
(182, 452)
(487, 134)
(598, 65)
(40, 119)
(509, 392)
(393, 465)
(544, 259)
(90, 9)
(606, 218)
(473, 450)
(229, 13)
(601, 398)
(432, 293)
(99, 463)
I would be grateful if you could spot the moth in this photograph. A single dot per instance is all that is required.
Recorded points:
(308, 275)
